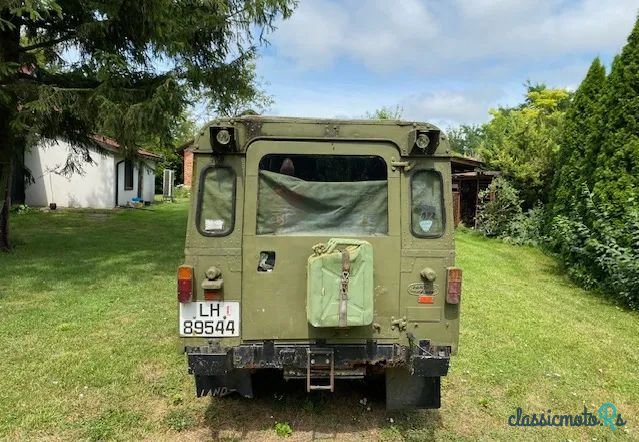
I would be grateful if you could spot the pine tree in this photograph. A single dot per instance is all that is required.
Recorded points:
(126, 67)
(617, 165)
(580, 140)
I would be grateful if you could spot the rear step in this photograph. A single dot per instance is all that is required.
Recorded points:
(320, 364)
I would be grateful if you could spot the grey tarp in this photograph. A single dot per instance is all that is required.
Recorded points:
(289, 205)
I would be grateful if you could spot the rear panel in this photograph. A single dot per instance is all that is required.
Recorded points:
(409, 267)
(274, 303)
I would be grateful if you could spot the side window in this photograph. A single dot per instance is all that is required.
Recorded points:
(216, 205)
(427, 202)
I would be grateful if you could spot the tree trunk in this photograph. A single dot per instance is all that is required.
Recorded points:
(6, 175)
(9, 53)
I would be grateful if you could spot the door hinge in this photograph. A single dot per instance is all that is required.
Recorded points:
(406, 165)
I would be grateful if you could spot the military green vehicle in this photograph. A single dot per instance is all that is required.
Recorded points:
(324, 249)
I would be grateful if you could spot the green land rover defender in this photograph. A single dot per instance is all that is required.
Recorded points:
(323, 249)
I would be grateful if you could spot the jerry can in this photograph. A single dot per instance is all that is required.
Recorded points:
(340, 290)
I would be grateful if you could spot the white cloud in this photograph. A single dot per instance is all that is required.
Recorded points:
(439, 37)
(449, 107)
(370, 32)
(447, 62)
(442, 107)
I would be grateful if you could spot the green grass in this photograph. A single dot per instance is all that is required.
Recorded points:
(88, 346)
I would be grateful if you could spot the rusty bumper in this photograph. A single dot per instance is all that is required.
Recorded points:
(423, 360)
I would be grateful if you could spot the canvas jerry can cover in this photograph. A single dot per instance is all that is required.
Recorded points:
(340, 284)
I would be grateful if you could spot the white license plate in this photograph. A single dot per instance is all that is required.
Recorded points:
(210, 318)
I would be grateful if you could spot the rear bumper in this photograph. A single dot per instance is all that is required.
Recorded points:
(425, 360)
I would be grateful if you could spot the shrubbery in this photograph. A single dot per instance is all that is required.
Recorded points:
(599, 253)
(596, 251)
(499, 213)
(580, 155)
(182, 192)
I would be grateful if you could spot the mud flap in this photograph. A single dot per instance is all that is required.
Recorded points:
(236, 381)
(404, 391)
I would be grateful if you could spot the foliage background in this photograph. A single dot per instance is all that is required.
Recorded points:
(572, 160)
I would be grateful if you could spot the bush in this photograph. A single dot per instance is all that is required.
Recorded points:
(598, 251)
(499, 214)
(527, 228)
(182, 192)
(21, 209)
(498, 206)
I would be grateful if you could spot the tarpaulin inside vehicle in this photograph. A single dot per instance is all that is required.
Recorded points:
(289, 205)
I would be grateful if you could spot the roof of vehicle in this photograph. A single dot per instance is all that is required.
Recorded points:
(311, 120)
(252, 127)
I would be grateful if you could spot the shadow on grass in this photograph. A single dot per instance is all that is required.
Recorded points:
(355, 410)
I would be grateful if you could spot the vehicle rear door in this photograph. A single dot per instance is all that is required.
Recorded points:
(274, 268)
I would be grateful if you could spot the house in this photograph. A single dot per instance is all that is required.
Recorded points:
(469, 178)
(111, 180)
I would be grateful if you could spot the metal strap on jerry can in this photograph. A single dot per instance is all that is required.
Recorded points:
(343, 295)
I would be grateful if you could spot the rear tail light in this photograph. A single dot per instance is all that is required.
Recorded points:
(454, 284)
(185, 284)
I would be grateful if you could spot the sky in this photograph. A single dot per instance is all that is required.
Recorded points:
(443, 61)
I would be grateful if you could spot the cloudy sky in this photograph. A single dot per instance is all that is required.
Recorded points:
(444, 61)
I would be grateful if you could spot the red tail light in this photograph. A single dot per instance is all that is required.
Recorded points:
(454, 285)
(185, 283)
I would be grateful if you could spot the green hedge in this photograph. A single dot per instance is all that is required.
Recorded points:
(597, 251)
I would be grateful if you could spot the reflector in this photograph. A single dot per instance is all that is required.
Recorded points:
(212, 295)
(426, 299)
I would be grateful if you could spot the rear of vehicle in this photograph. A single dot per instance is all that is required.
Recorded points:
(323, 249)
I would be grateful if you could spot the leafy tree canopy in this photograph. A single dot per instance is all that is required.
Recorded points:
(386, 113)
(522, 141)
(465, 139)
(128, 67)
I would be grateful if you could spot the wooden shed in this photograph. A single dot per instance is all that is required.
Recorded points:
(469, 178)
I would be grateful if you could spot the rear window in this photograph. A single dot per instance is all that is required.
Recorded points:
(322, 195)
(427, 202)
(216, 205)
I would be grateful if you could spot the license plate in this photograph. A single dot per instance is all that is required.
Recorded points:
(210, 319)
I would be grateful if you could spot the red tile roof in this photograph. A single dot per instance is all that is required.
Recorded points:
(112, 145)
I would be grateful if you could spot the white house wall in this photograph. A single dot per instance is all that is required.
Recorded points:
(93, 188)
(148, 183)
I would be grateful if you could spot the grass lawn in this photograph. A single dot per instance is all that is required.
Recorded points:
(88, 347)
